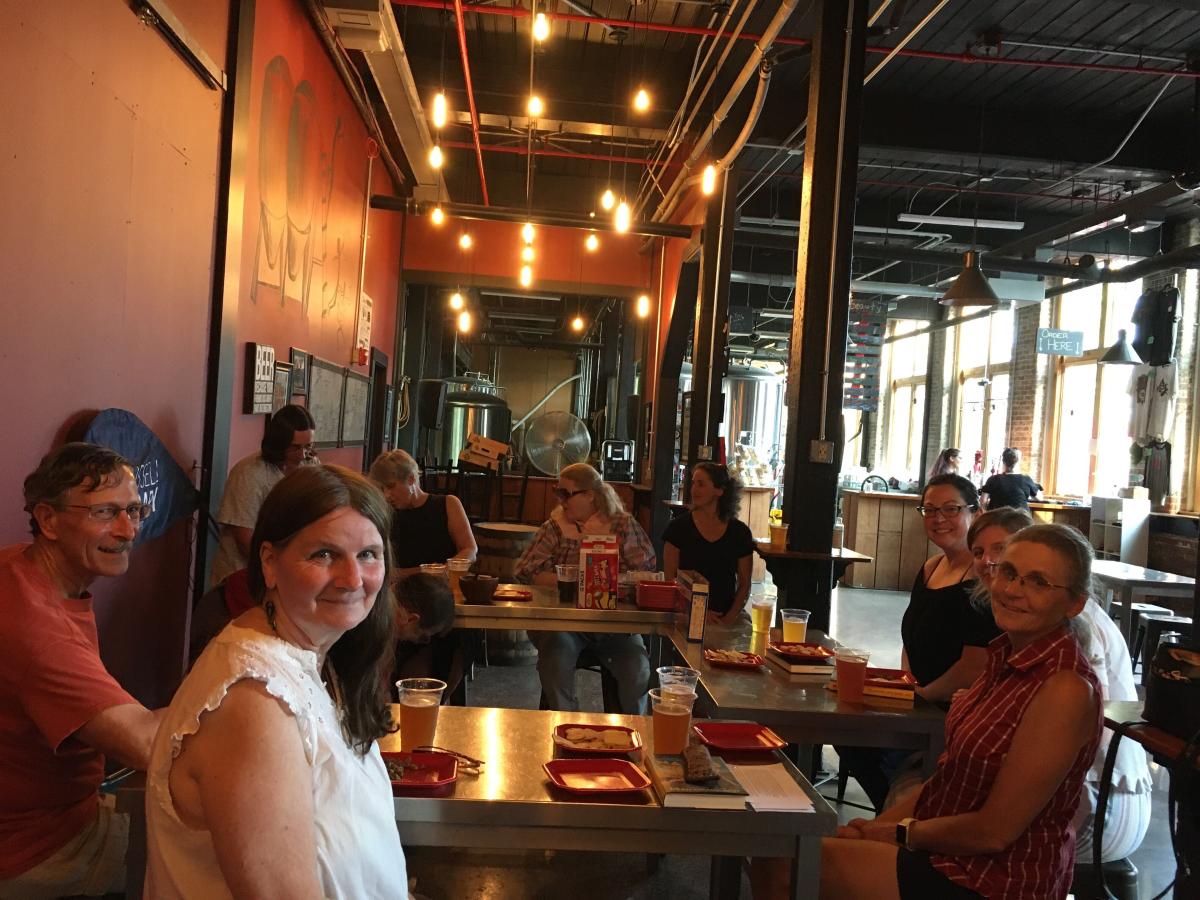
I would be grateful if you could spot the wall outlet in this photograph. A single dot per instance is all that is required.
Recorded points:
(820, 451)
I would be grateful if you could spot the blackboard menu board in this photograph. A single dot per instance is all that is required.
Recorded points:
(325, 401)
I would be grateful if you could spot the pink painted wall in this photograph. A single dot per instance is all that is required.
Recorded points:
(306, 191)
(108, 160)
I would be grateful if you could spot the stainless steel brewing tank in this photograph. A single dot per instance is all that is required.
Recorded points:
(754, 405)
(473, 406)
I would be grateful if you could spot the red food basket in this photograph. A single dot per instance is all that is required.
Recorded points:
(659, 595)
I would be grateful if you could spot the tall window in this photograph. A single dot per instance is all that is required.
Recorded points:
(907, 360)
(984, 356)
(1094, 406)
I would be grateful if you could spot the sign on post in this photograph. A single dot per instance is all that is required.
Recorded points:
(1059, 343)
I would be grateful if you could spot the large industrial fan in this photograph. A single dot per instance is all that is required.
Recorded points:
(555, 440)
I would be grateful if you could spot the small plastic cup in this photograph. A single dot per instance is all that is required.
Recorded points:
(456, 568)
(762, 614)
(851, 673)
(671, 712)
(568, 583)
(795, 625)
(671, 677)
(438, 570)
(778, 536)
(420, 700)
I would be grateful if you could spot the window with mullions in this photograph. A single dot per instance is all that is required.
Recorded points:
(906, 362)
(984, 356)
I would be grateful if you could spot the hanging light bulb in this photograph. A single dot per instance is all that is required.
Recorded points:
(438, 216)
(592, 242)
(456, 301)
(577, 323)
(608, 199)
(464, 241)
(708, 180)
(527, 254)
(435, 156)
(464, 321)
(439, 110)
(621, 218)
(527, 232)
(641, 100)
(526, 276)
(643, 305)
(536, 107)
(541, 27)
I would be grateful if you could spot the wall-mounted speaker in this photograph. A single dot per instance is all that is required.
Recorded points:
(431, 402)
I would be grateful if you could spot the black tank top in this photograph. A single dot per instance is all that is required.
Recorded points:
(938, 623)
(422, 535)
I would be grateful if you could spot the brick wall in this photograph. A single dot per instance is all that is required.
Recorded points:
(1029, 380)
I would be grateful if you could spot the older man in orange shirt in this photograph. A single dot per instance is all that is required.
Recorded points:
(61, 712)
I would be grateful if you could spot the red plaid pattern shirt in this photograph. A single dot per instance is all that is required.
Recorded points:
(979, 732)
(552, 547)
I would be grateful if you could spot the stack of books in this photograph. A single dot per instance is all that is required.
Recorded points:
(811, 665)
(723, 792)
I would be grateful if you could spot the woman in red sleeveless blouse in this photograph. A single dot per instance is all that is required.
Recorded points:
(994, 821)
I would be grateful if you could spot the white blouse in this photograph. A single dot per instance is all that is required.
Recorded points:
(358, 845)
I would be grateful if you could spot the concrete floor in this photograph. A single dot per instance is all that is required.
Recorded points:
(862, 618)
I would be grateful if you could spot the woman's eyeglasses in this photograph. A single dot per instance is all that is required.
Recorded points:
(564, 495)
(1004, 575)
(949, 511)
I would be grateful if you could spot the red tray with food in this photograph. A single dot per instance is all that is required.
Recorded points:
(802, 652)
(733, 659)
(421, 771)
(511, 593)
(597, 739)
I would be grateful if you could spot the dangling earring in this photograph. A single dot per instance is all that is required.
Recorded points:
(269, 609)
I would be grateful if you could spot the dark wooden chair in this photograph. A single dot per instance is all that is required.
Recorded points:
(512, 503)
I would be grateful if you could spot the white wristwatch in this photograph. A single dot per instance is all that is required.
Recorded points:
(904, 832)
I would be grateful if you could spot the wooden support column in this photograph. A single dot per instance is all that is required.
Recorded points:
(817, 353)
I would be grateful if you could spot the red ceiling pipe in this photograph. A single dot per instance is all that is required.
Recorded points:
(466, 64)
(557, 154)
(520, 13)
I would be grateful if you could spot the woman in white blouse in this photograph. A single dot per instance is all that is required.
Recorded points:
(266, 778)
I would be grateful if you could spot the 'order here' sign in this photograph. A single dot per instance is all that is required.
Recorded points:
(1060, 343)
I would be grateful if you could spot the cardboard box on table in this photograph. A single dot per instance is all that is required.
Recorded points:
(693, 603)
(599, 564)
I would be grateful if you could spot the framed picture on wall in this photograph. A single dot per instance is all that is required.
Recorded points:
(327, 384)
(299, 372)
(281, 395)
(355, 406)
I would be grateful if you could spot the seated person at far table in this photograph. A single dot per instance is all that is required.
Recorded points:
(587, 506)
(424, 613)
(713, 541)
(1009, 488)
(61, 712)
(995, 819)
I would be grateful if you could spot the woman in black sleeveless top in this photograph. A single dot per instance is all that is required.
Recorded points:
(426, 528)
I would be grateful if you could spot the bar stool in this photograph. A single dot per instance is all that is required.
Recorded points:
(1154, 628)
(1141, 612)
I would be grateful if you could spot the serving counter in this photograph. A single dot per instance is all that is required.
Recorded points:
(888, 528)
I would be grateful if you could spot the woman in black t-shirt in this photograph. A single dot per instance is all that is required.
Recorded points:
(713, 541)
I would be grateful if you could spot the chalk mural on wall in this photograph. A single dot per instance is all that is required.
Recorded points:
(303, 251)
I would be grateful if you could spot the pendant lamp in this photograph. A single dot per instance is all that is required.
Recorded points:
(1121, 353)
(971, 287)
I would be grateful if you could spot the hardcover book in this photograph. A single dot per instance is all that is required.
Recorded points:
(723, 792)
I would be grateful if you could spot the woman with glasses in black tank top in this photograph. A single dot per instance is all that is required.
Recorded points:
(945, 637)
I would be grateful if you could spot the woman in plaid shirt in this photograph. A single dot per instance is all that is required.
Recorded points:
(587, 506)
(994, 821)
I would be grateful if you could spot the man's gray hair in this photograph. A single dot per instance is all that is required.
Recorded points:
(69, 466)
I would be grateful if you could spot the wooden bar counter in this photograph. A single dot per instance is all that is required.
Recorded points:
(888, 528)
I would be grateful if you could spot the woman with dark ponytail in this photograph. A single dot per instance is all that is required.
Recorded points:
(711, 540)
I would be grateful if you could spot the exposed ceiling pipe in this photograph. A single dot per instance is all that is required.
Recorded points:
(782, 14)
(461, 27)
(860, 287)
(415, 207)
(1151, 196)
(756, 108)
(668, 28)
(899, 48)
(1182, 258)
(542, 151)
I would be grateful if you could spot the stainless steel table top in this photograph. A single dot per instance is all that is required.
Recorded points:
(1124, 574)
(512, 804)
(803, 712)
(545, 613)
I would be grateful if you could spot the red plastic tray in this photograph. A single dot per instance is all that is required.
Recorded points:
(560, 738)
(796, 654)
(738, 736)
(435, 771)
(896, 679)
(658, 595)
(747, 660)
(596, 776)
